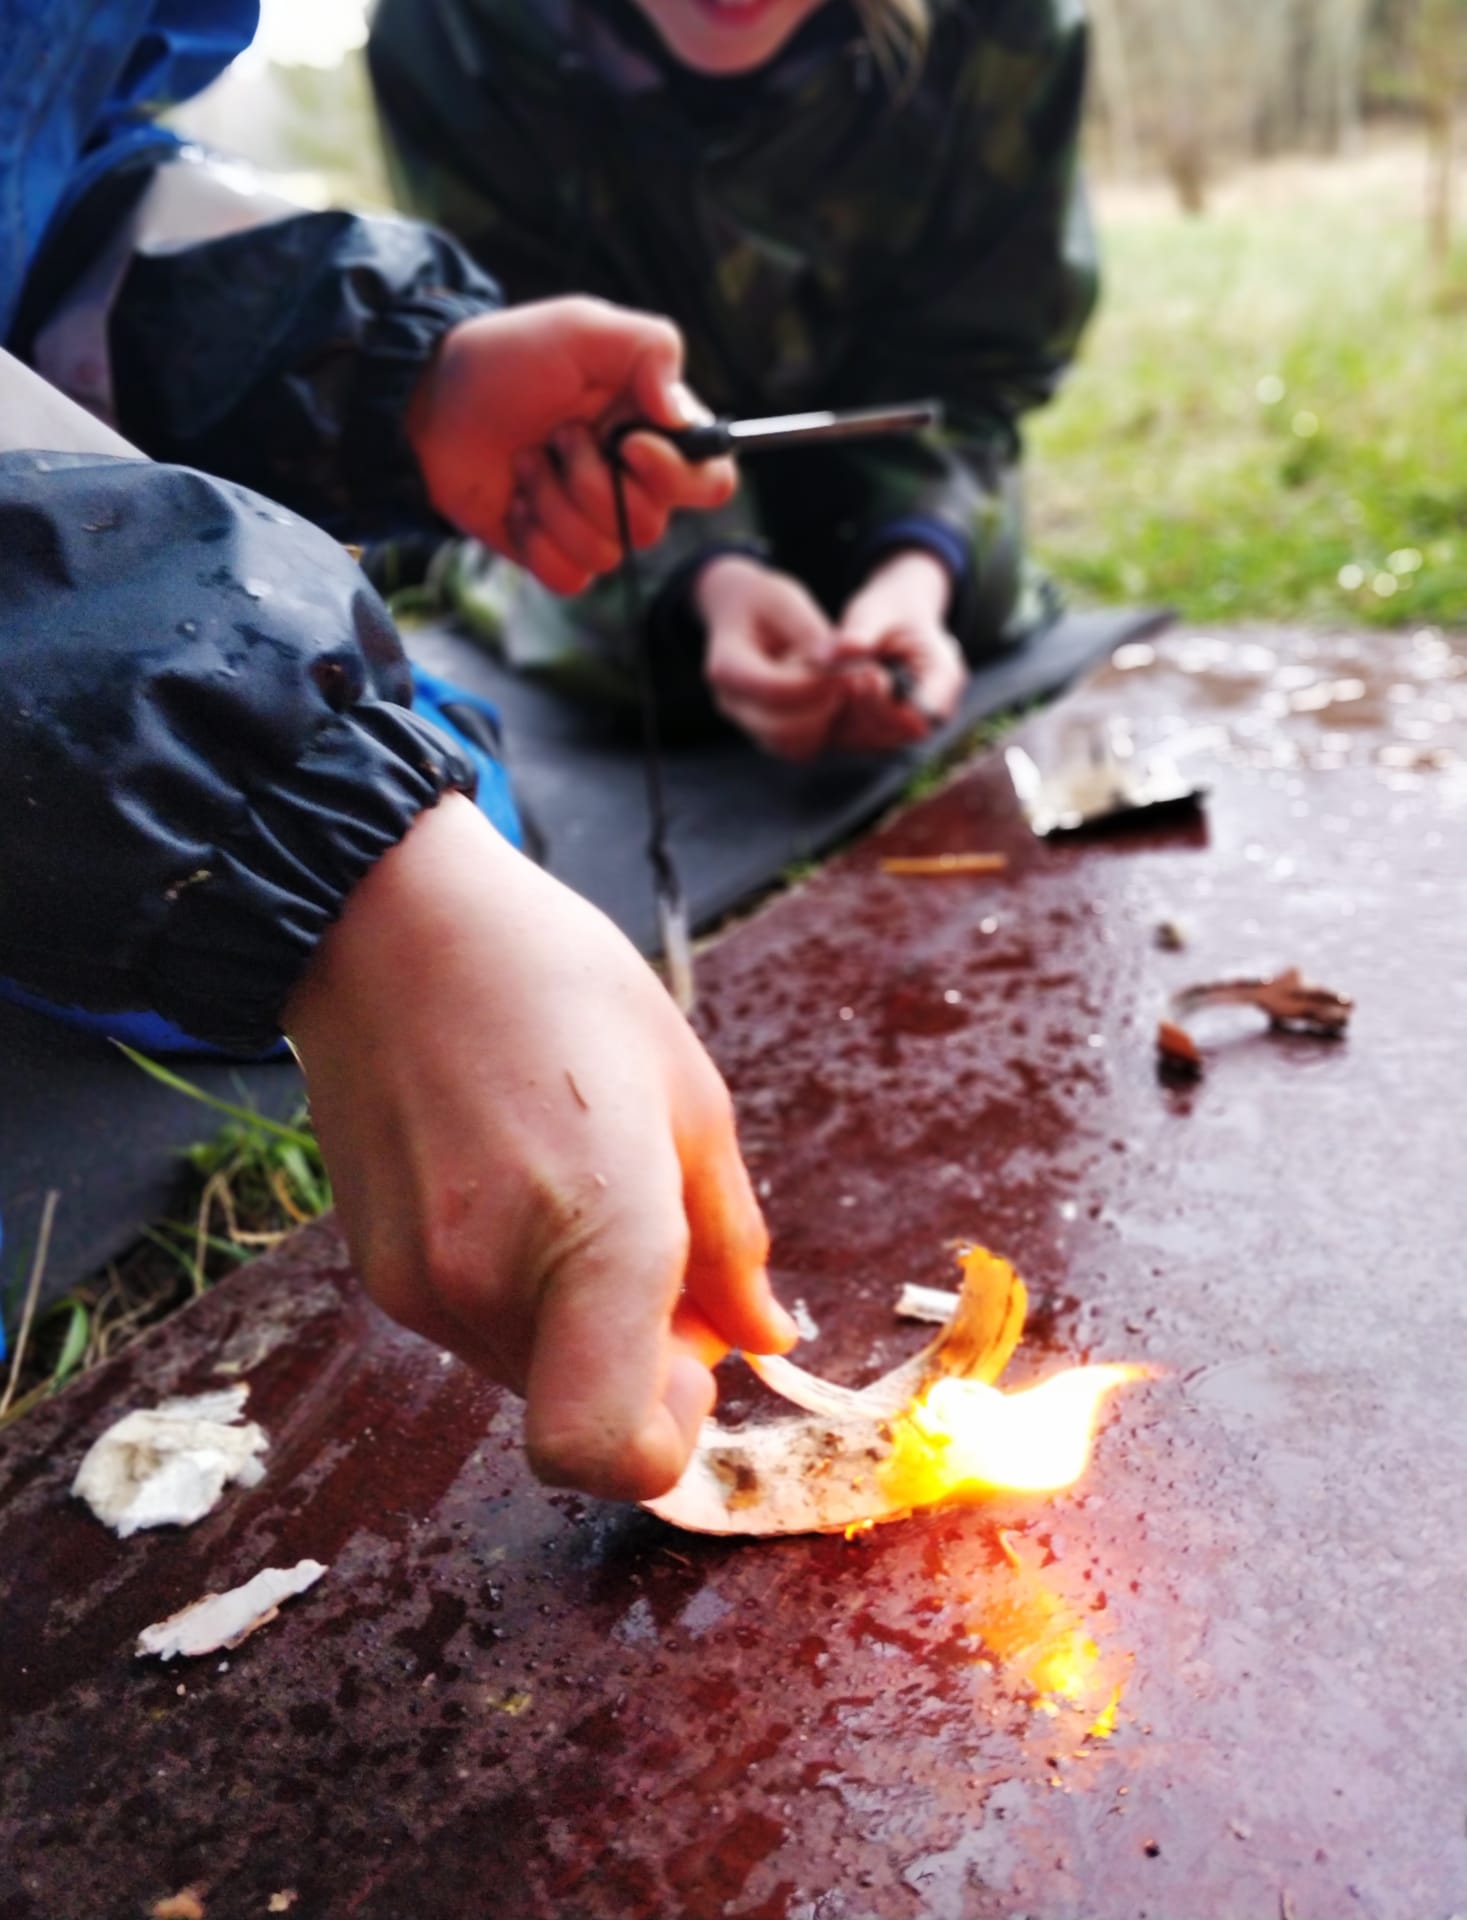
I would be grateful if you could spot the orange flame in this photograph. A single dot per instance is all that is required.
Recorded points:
(963, 1436)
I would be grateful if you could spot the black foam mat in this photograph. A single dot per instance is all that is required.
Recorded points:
(738, 819)
(75, 1115)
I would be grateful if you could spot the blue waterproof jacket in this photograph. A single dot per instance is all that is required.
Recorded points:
(204, 728)
(81, 85)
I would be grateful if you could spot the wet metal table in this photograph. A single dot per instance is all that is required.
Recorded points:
(1221, 1679)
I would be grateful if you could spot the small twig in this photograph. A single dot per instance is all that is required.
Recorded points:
(937, 865)
(32, 1293)
(215, 1187)
(120, 1329)
(280, 1187)
(936, 1305)
(101, 1306)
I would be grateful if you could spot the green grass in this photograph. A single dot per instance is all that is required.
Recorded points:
(1273, 393)
(244, 1187)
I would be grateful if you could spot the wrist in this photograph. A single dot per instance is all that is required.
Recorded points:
(912, 583)
(404, 906)
(423, 418)
(722, 576)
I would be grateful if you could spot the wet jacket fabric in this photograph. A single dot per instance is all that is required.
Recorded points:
(823, 234)
(204, 728)
(285, 357)
(204, 741)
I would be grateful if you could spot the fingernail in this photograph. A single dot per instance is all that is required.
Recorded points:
(689, 406)
(789, 1327)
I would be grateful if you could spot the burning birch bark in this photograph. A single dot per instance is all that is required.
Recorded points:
(933, 1429)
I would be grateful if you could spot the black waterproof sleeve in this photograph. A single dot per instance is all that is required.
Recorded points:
(285, 357)
(204, 741)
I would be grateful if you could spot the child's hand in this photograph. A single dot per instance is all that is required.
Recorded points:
(533, 1157)
(771, 660)
(508, 425)
(898, 615)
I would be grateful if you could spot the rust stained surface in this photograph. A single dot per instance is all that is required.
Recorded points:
(1222, 1677)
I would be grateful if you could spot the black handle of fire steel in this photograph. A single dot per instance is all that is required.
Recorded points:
(702, 443)
(710, 439)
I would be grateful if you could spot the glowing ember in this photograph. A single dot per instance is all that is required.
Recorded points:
(1037, 1626)
(1104, 1723)
(964, 1435)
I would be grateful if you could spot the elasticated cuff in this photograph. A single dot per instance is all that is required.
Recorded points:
(926, 531)
(240, 930)
(393, 356)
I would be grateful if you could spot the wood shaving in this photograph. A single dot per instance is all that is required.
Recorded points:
(937, 866)
(183, 1905)
(225, 1619)
(1177, 1048)
(935, 1305)
(934, 1429)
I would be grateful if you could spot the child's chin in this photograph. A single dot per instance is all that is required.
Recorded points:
(724, 36)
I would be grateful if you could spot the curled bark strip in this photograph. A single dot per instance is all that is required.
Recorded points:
(821, 1472)
(1290, 1002)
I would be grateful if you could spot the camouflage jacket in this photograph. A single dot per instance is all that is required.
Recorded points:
(822, 235)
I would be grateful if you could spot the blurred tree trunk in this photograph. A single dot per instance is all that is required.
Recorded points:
(1333, 73)
(1443, 47)
(1193, 84)
(1270, 117)
(1185, 35)
(1113, 86)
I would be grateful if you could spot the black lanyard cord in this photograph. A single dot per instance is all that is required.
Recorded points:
(672, 913)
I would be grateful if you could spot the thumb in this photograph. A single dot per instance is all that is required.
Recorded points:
(612, 1406)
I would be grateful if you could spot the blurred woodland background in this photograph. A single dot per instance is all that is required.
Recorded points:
(1270, 416)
